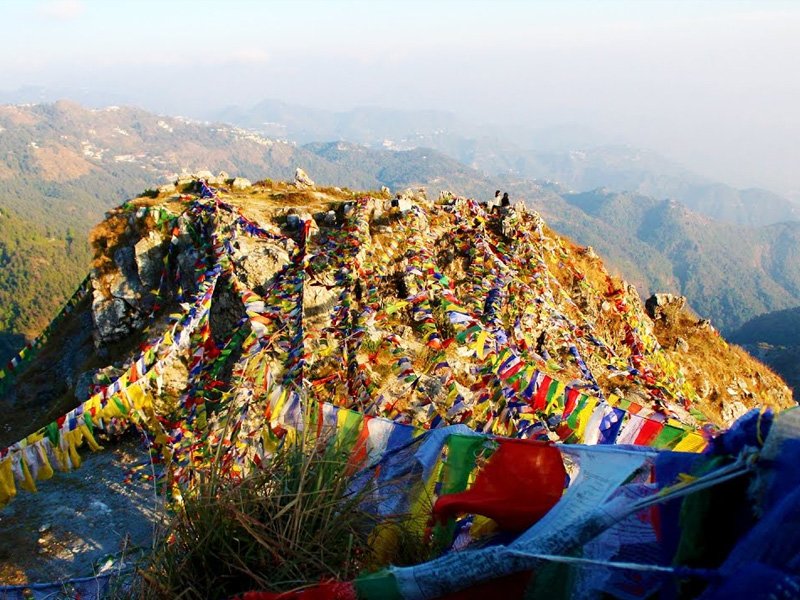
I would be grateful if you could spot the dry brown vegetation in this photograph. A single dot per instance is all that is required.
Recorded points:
(58, 163)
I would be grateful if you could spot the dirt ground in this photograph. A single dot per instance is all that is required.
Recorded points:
(82, 522)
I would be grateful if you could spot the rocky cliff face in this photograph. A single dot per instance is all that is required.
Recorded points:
(549, 300)
(406, 306)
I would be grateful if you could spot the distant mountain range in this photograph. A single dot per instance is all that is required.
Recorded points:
(63, 165)
(576, 158)
(729, 273)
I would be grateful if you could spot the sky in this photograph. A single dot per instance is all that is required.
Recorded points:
(712, 85)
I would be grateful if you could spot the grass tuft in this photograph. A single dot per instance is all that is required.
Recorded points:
(294, 522)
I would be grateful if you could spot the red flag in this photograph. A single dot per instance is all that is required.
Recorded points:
(522, 480)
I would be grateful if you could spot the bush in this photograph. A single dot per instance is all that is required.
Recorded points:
(291, 523)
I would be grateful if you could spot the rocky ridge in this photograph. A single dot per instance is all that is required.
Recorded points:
(524, 287)
(218, 318)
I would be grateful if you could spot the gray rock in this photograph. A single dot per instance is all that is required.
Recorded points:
(681, 345)
(150, 260)
(665, 307)
(731, 411)
(240, 183)
(259, 260)
(589, 252)
(167, 188)
(302, 180)
(403, 204)
(126, 284)
(83, 385)
(204, 174)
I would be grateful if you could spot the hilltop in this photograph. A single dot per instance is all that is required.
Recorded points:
(63, 165)
(215, 321)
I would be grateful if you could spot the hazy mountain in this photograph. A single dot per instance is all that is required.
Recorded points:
(728, 272)
(366, 125)
(62, 166)
(578, 158)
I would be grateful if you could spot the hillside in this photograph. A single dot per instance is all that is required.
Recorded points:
(62, 166)
(774, 338)
(728, 272)
(220, 322)
(579, 295)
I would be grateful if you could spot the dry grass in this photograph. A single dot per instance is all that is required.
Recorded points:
(711, 361)
(293, 523)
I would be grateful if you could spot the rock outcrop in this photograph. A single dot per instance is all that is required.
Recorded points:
(664, 307)
(302, 180)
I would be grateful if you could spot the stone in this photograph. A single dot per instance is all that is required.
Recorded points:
(664, 307)
(681, 345)
(402, 204)
(704, 324)
(204, 175)
(589, 252)
(184, 179)
(83, 386)
(167, 188)
(126, 283)
(109, 317)
(302, 180)
(223, 177)
(150, 260)
(318, 302)
(260, 260)
(732, 410)
(240, 183)
(385, 190)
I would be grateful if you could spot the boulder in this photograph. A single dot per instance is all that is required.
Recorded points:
(240, 183)
(681, 345)
(403, 204)
(732, 410)
(184, 179)
(167, 188)
(302, 180)
(589, 252)
(150, 260)
(204, 175)
(260, 259)
(664, 307)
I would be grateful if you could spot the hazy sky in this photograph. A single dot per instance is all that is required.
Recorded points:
(714, 85)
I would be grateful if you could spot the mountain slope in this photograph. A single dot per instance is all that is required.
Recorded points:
(728, 272)
(774, 338)
(423, 277)
(62, 166)
(224, 323)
